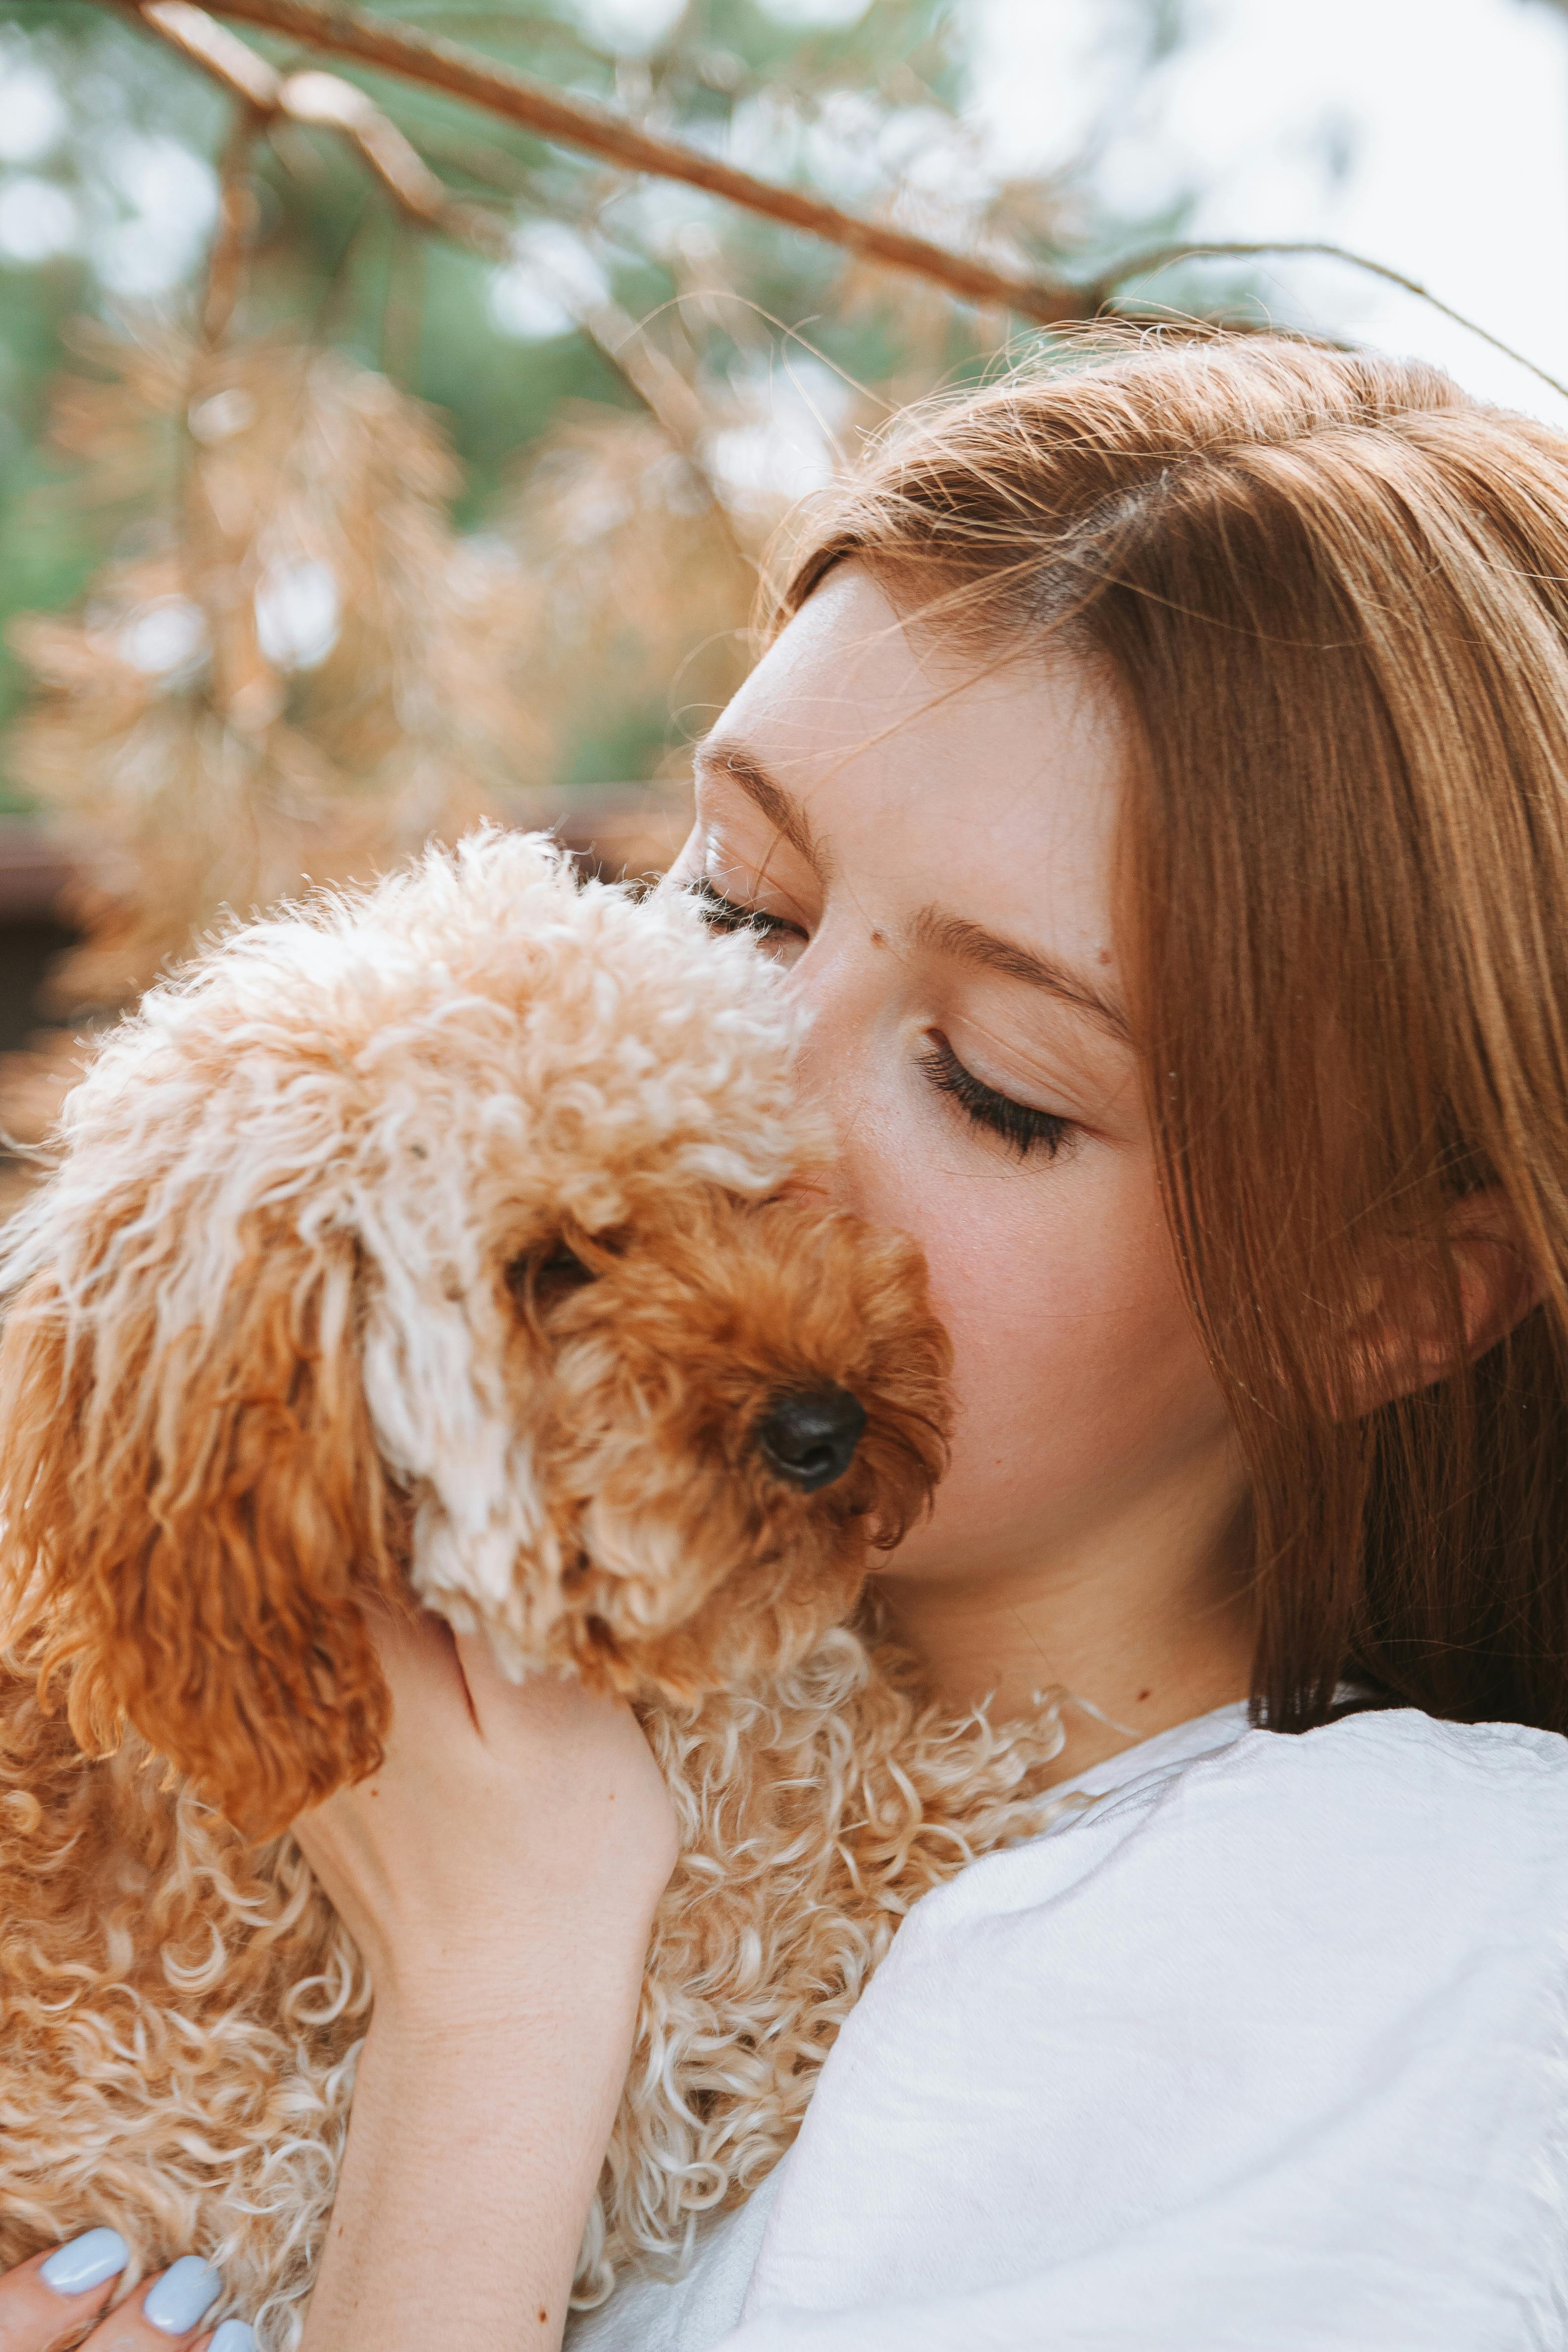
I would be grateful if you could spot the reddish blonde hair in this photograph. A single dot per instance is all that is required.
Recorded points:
(1334, 591)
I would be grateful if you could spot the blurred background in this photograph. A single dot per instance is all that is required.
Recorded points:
(368, 462)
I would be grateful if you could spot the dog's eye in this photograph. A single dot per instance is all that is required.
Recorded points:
(562, 1270)
(544, 1276)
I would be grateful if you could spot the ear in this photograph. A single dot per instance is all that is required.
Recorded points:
(1408, 1336)
(190, 1521)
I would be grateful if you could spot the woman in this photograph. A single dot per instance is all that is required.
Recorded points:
(1158, 786)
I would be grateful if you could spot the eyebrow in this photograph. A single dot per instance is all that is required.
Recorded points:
(934, 928)
(783, 810)
(965, 943)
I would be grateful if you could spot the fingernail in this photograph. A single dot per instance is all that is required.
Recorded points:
(86, 2262)
(233, 2336)
(186, 2292)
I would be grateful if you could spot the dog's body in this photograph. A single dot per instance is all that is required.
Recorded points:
(431, 1241)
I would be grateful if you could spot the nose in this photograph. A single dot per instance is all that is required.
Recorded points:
(809, 1436)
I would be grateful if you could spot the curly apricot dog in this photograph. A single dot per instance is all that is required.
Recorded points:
(430, 1240)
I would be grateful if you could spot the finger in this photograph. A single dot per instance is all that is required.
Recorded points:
(51, 2301)
(554, 1707)
(163, 2315)
(483, 1679)
(420, 1663)
(495, 1697)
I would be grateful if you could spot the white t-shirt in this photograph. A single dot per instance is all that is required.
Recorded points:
(1266, 2051)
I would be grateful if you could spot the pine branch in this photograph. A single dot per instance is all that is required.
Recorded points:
(236, 213)
(341, 30)
(434, 64)
(325, 102)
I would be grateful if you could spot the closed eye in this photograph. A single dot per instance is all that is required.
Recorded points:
(1020, 1127)
(723, 914)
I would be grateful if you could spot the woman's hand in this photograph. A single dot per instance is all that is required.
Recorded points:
(500, 1876)
(503, 1813)
(53, 2302)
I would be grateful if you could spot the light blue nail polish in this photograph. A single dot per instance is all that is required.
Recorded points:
(186, 2292)
(233, 2336)
(86, 2262)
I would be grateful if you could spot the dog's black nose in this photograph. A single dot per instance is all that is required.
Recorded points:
(809, 1436)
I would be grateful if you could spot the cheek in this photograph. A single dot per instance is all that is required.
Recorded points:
(1076, 1367)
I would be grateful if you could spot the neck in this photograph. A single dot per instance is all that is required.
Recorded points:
(1140, 1635)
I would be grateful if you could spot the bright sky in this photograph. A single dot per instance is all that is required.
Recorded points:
(1430, 134)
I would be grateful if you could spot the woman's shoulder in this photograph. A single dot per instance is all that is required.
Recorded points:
(1271, 2001)
(1382, 1791)
(1439, 1778)
(1205, 2067)
(1403, 1747)
(1336, 1871)
(1413, 1808)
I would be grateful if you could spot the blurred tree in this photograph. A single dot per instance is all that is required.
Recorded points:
(110, 149)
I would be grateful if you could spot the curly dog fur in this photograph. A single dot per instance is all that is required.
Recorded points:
(434, 1241)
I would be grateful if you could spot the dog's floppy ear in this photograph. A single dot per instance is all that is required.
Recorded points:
(190, 1519)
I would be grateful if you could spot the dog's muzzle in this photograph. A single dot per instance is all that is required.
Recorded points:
(809, 1436)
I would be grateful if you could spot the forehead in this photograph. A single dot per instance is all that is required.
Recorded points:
(993, 788)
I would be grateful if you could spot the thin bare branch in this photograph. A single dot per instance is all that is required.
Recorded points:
(242, 73)
(322, 101)
(235, 220)
(1127, 272)
(433, 64)
(339, 29)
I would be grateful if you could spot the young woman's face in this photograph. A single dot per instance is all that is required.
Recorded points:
(930, 853)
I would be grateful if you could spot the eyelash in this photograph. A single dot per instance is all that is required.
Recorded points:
(1022, 1128)
(723, 915)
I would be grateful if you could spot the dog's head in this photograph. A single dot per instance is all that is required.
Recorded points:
(431, 1238)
